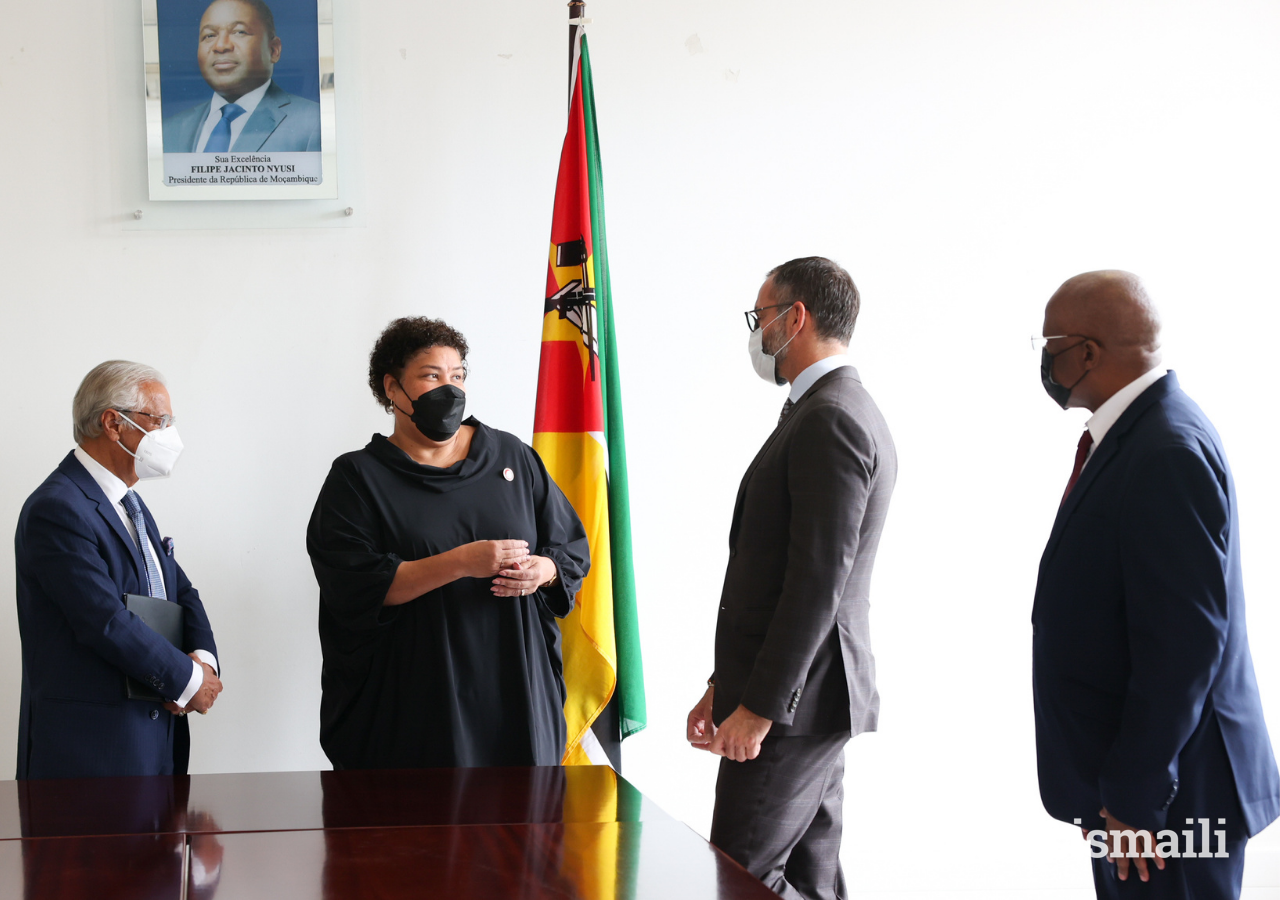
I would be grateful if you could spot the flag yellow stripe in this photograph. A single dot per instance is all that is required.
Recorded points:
(576, 461)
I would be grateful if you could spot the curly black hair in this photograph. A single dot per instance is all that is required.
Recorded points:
(401, 341)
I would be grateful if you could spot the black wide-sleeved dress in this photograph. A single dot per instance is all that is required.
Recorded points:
(456, 677)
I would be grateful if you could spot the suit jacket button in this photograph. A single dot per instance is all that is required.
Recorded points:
(155, 714)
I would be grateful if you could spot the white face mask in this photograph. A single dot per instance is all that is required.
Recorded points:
(157, 451)
(766, 364)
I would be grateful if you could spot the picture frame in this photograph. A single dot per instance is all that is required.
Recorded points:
(240, 101)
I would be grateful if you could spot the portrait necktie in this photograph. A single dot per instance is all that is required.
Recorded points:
(786, 411)
(133, 506)
(1082, 454)
(220, 137)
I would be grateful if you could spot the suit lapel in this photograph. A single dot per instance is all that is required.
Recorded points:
(72, 468)
(271, 111)
(849, 372)
(746, 479)
(1106, 452)
(193, 139)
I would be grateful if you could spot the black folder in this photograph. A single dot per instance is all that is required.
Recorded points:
(165, 619)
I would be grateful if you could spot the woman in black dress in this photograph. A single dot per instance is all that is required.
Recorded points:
(444, 554)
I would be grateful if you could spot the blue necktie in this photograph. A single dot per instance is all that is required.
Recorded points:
(133, 506)
(220, 137)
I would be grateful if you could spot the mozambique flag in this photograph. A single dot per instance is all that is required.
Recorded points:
(578, 432)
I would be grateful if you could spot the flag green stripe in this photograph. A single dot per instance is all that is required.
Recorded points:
(630, 691)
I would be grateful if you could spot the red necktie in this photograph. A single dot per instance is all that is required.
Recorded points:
(1082, 454)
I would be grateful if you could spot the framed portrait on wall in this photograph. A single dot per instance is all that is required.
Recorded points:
(240, 99)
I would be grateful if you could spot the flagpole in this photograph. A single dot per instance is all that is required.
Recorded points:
(577, 20)
(577, 11)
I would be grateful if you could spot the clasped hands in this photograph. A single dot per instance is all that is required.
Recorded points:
(518, 572)
(208, 692)
(738, 737)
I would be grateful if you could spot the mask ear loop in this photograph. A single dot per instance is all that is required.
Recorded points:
(774, 354)
(1053, 356)
(403, 391)
(135, 425)
(1074, 386)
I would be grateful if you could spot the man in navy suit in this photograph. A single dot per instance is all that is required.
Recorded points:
(84, 540)
(1148, 718)
(237, 50)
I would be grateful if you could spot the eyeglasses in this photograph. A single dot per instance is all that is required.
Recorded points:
(753, 315)
(1038, 343)
(165, 420)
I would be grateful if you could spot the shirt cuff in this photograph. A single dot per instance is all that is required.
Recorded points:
(206, 657)
(197, 679)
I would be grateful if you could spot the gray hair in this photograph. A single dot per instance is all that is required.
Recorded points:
(116, 384)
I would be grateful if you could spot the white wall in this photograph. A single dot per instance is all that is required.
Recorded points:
(961, 159)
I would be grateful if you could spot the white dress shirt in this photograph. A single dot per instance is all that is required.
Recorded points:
(249, 102)
(809, 376)
(1110, 412)
(115, 489)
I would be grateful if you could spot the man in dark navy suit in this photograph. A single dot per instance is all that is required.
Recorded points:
(84, 540)
(1148, 718)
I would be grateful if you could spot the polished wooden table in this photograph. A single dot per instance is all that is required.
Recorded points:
(578, 832)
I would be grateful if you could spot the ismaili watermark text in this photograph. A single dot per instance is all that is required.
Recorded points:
(1168, 844)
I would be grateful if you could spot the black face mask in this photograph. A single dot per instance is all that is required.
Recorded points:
(438, 412)
(1060, 394)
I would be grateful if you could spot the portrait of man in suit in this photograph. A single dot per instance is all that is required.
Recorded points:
(237, 50)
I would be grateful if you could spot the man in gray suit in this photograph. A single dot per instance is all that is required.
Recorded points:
(794, 676)
(237, 51)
